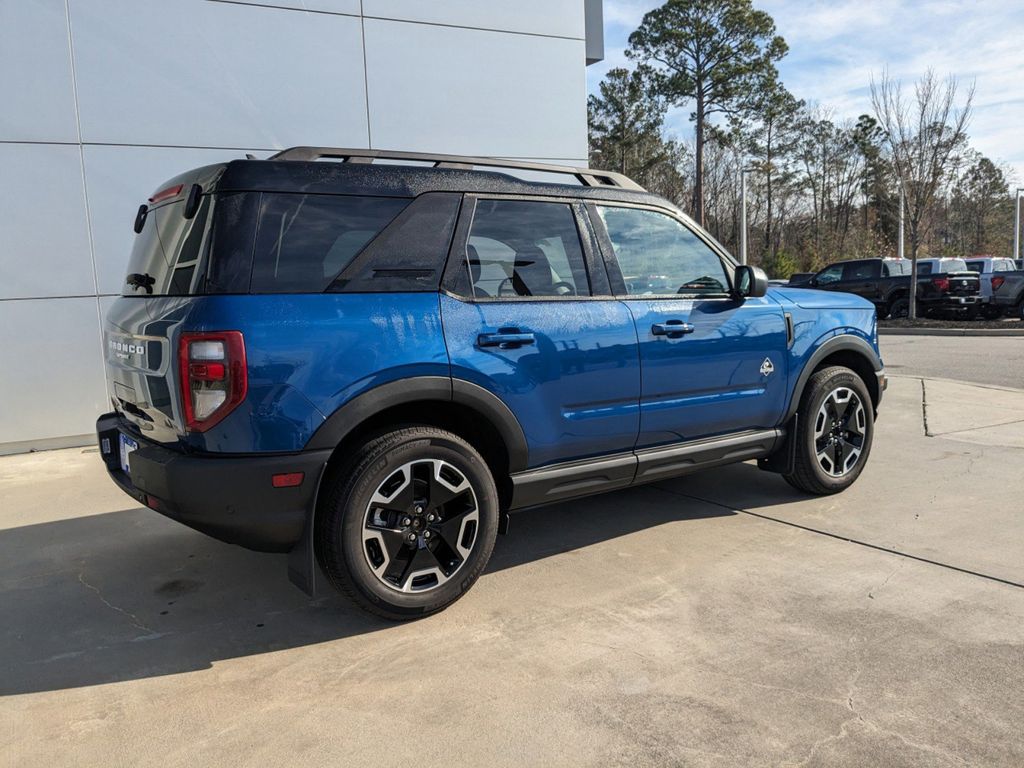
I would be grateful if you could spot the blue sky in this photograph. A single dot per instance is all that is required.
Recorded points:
(835, 47)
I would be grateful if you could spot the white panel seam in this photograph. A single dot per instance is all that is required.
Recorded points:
(400, 21)
(85, 195)
(366, 77)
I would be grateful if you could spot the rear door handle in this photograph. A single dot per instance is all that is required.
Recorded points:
(674, 329)
(511, 338)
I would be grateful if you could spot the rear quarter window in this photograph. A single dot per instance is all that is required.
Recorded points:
(305, 241)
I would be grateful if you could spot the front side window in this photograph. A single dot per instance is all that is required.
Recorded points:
(831, 274)
(522, 248)
(659, 256)
(305, 241)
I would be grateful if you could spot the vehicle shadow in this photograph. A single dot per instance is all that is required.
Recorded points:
(127, 595)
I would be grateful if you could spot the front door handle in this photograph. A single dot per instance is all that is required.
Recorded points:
(505, 338)
(674, 329)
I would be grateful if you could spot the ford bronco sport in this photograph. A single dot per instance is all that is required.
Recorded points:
(369, 362)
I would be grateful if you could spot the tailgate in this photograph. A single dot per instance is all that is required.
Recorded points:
(964, 283)
(141, 375)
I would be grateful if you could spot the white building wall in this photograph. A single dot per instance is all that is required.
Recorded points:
(101, 100)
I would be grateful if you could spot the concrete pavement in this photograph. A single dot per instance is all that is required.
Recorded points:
(719, 619)
(996, 361)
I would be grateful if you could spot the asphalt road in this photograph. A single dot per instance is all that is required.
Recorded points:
(998, 361)
(720, 619)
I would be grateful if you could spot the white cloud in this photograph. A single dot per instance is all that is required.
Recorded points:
(837, 45)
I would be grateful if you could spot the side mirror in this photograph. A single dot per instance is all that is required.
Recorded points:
(751, 282)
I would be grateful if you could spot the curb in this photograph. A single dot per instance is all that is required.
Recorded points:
(883, 331)
(940, 380)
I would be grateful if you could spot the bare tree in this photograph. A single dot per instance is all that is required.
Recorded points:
(922, 133)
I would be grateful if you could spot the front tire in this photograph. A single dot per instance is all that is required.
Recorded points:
(408, 526)
(899, 308)
(835, 428)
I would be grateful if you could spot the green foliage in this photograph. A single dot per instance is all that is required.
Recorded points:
(713, 53)
(980, 218)
(881, 209)
(780, 264)
(626, 134)
(819, 189)
(770, 138)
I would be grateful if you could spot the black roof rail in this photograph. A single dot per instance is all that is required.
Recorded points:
(585, 176)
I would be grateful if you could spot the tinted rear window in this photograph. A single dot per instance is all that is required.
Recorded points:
(895, 267)
(167, 251)
(305, 241)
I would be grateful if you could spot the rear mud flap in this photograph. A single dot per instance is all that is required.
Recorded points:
(302, 565)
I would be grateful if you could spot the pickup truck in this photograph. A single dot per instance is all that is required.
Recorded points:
(992, 272)
(1009, 294)
(943, 285)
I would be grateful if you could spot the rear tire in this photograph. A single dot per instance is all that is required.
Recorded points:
(408, 525)
(835, 428)
(992, 312)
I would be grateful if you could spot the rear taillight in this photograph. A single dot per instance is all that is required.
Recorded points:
(213, 376)
(941, 283)
(997, 283)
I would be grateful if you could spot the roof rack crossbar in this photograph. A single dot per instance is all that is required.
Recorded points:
(588, 177)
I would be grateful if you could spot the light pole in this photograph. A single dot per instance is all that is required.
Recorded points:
(743, 213)
(899, 245)
(1016, 224)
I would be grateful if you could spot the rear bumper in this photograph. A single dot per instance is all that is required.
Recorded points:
(231, 498)
(954, 302)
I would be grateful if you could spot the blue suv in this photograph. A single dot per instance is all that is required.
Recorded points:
(369, 362)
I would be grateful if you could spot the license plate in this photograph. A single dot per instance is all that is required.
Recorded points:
(127, 446)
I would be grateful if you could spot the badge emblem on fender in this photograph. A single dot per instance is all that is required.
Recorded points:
(766, 367)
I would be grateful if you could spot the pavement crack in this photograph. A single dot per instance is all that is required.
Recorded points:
(132, 618)
(834, 738)
(924, 409)
(871, 593)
